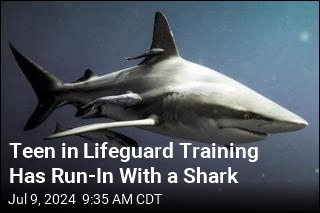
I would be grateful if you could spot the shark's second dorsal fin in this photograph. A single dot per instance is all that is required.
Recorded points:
(162, 38)
(86, 76)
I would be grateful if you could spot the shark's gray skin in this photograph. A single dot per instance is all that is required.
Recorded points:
(166, 94)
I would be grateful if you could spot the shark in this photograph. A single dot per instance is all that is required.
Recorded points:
(164, 93)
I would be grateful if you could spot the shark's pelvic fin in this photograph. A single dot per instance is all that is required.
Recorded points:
(162, 38)
(151, 121)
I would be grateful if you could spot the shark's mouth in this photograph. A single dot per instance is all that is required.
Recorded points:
(248, 131)
(253, 132)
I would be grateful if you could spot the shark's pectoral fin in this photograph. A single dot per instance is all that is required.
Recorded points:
(150, 121)
(100, 136)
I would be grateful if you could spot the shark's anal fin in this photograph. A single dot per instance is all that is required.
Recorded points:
(150, 121)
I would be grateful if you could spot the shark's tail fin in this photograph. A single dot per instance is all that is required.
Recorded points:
(44, 85)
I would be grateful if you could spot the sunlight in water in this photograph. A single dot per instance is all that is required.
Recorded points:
(304, 36)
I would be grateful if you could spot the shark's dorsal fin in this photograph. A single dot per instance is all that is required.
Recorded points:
(162, 35)
(162, 38)
(86, 76)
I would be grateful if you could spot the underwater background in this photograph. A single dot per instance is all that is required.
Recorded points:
(271, 47)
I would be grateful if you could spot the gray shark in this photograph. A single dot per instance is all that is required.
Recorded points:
(164, 93)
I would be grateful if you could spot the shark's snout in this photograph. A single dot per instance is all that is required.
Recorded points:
(284, 121)
(285, 125)
(271, 117)
(298, 123)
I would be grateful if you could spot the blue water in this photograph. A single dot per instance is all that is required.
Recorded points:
(272, 47)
